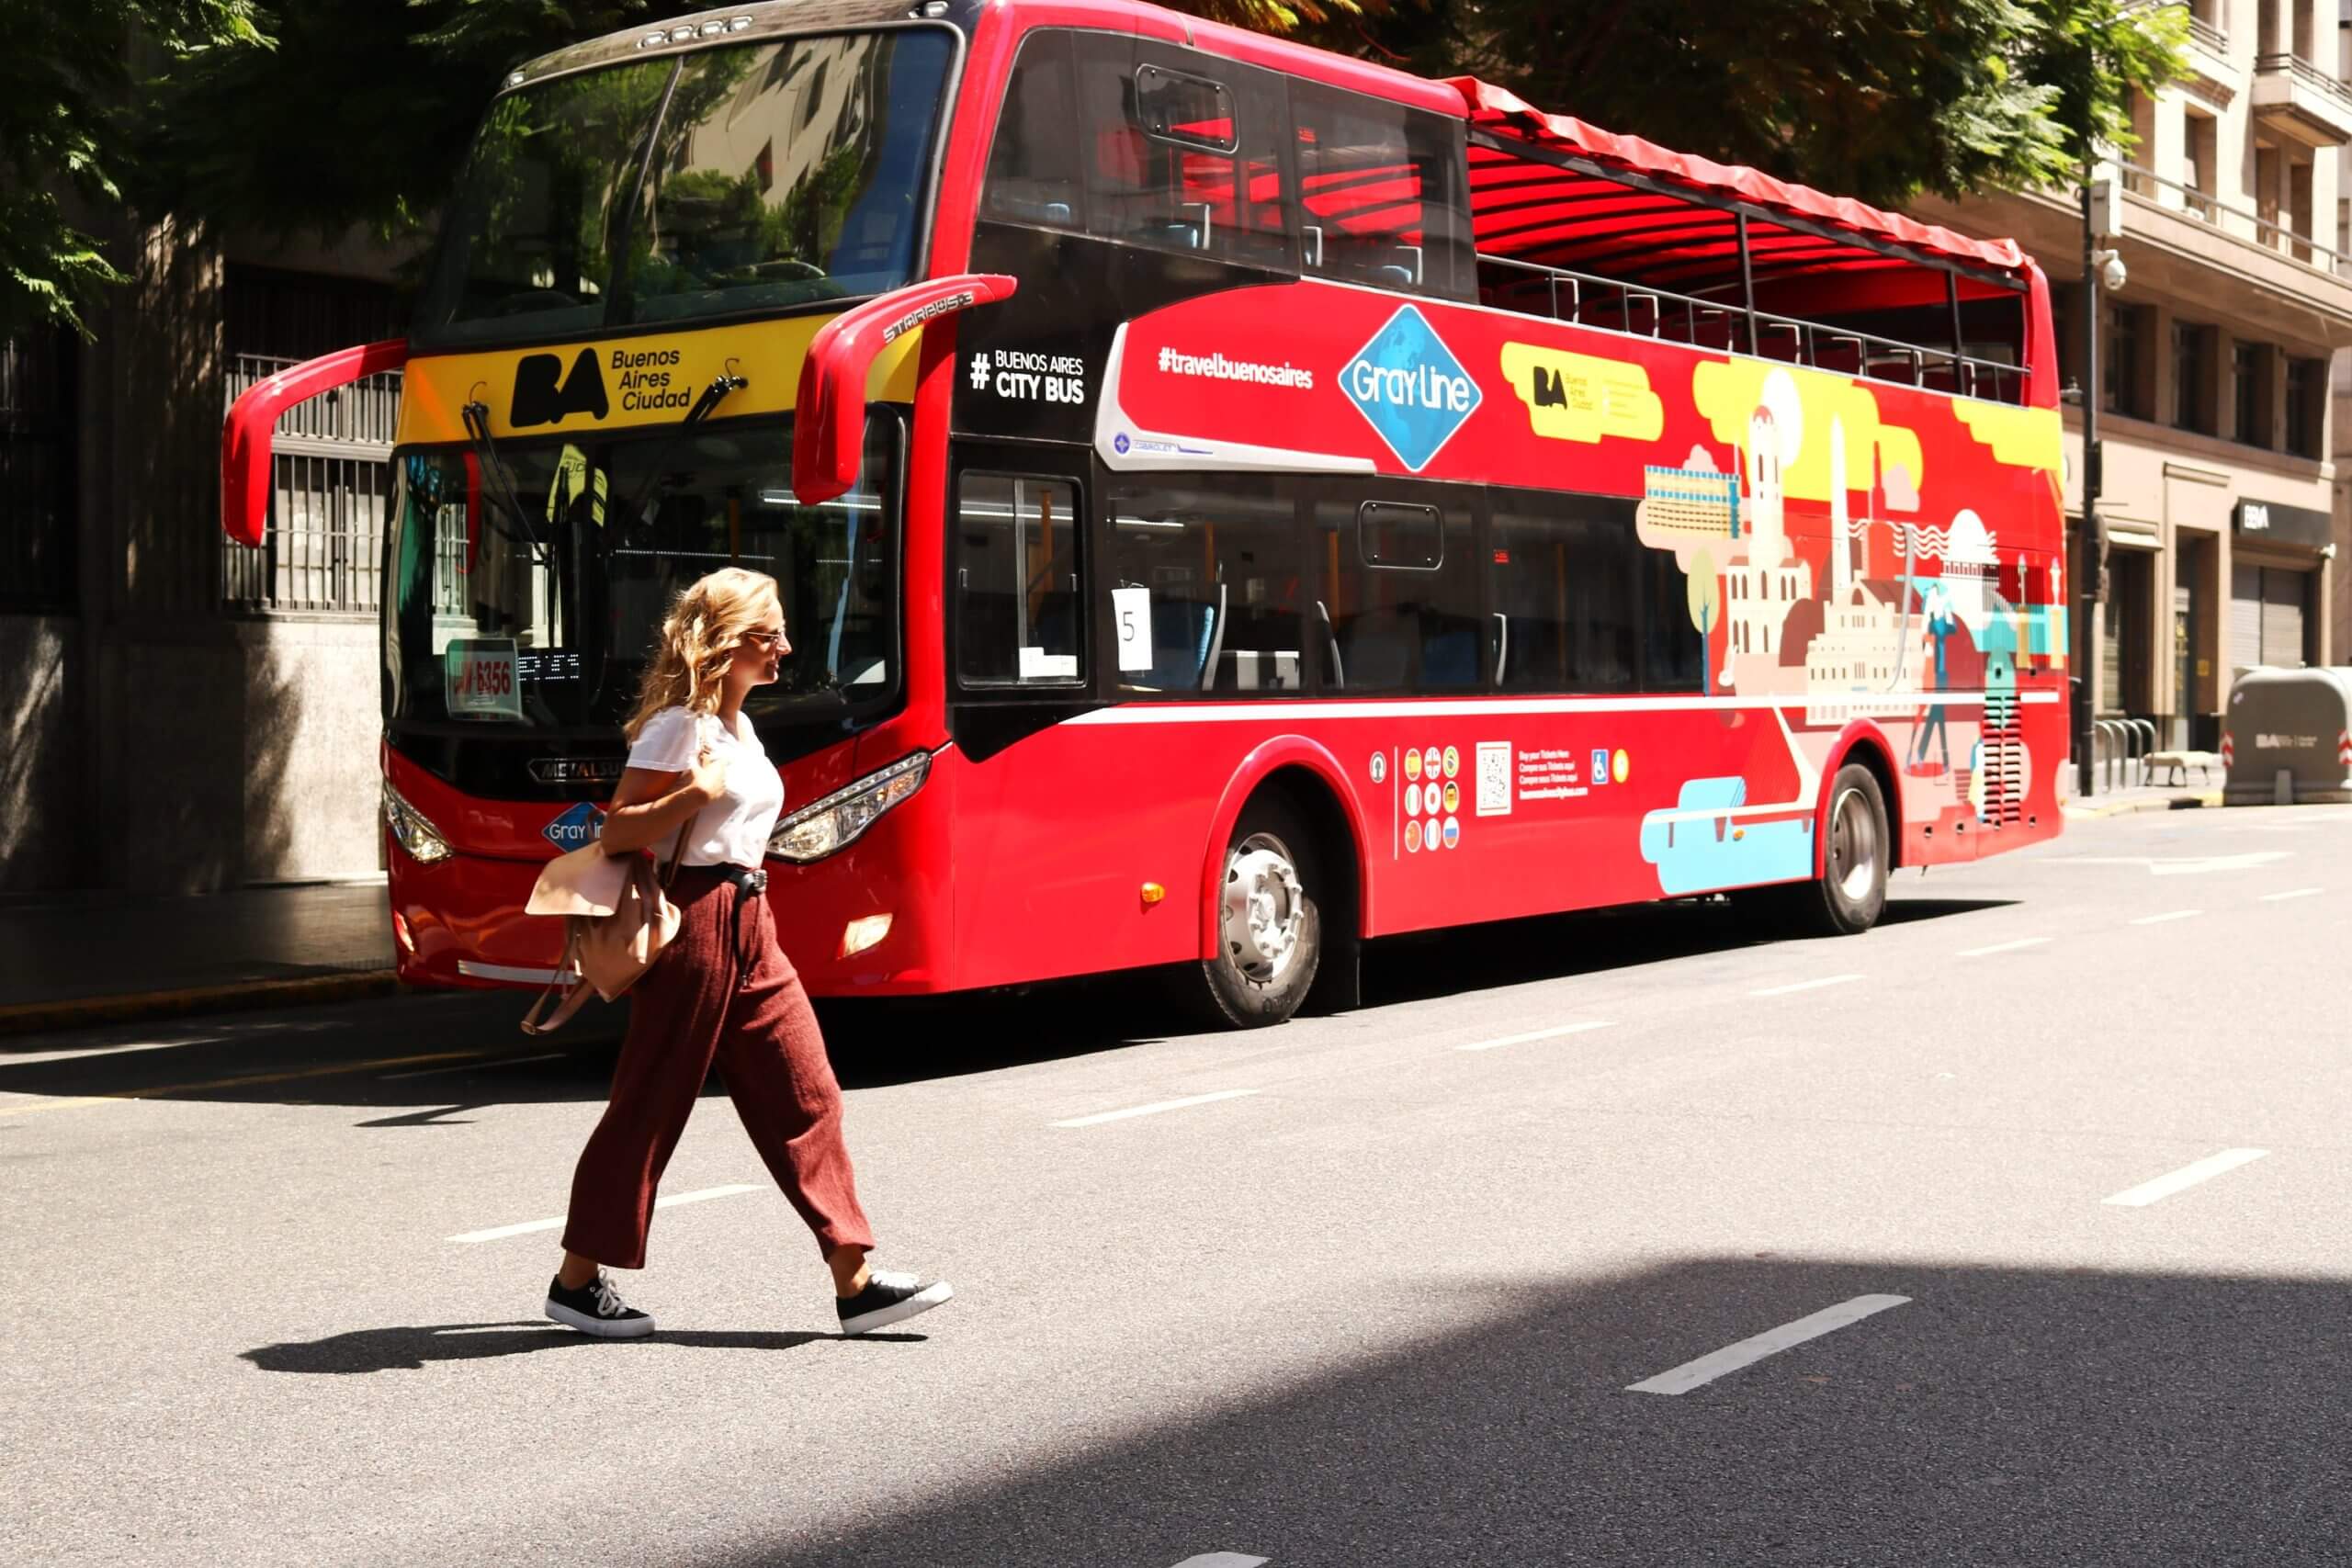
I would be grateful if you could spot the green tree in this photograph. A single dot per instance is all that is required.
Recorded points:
(66, 82)
(1703, 596)
(1881, 99)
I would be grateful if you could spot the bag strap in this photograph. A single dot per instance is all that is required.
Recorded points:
(678, 850)
(574, 993)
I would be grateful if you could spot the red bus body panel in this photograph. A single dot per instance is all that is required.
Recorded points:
(1032, 864)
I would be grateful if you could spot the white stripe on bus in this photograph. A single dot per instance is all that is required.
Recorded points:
(1488, 707)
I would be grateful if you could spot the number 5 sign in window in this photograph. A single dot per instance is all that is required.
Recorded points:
(478, 678)
(1131, 608)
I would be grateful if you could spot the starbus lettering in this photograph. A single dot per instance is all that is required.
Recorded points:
(537, 399)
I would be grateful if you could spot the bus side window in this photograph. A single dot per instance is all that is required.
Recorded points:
(1018, 620)
(1561, 579)
(1206, 592)
(1402, 608)
(1034, 165)
(1382, 194)
(1182, 151)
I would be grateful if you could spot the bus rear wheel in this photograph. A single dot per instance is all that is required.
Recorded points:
(1270, 927)
(1850, 894)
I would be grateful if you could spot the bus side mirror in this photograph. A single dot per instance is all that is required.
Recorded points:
(829, 423)
(252, 421)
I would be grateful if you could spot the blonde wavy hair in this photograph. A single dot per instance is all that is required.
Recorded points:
(707, 621)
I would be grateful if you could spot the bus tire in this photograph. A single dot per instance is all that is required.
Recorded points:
(1850, 894)
(1270, 925)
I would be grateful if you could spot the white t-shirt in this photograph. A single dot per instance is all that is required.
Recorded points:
(734, 829)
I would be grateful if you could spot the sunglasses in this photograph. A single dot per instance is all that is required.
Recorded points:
(765, 638)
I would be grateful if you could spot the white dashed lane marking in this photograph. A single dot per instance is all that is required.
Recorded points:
(2019, 945)
(2292, 893)
(1804, 986)
(1771, 1342)
(1534, 1034)
(2188, 1176)
(2168, 915)
(1154, 1108)
(499, 1233)
(1224, 1560)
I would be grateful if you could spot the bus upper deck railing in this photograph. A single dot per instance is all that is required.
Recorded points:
(1613, 305)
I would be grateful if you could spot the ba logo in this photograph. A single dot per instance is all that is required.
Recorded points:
(575, 827)
(537, 399)
(1412, 389)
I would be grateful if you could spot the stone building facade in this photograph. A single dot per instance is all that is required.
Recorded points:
(2221, 492)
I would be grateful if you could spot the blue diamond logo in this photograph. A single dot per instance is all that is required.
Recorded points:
(1412, 389)
(575, 827)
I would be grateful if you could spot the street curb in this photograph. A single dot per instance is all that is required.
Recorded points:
(80, 1012)
(2211, 797)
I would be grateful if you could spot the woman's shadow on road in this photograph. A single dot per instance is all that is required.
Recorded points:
(409, 1348)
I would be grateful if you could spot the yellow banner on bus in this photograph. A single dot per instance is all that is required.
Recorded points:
(647, 378)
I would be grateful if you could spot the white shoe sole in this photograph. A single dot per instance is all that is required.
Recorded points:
(922, 1301)
(600, 1327)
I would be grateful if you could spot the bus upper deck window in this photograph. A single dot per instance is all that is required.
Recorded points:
(1034, 162)
(1182, 151)
(1380, 193)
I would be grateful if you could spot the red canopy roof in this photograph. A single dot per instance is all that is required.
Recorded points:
(1523, 207)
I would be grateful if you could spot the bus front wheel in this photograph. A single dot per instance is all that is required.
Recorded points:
(1850, 894)
(1270, 927)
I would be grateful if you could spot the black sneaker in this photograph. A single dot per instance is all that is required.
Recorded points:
(889, 1299)
(596, 1308)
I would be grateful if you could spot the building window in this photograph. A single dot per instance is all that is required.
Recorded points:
(2306, 405)
(37, 453)
(2123, 335)
(2201, 163)
(2250, 383)
(2192, 376)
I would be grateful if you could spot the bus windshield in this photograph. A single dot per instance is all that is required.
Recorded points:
(529, 582)
(754, 176)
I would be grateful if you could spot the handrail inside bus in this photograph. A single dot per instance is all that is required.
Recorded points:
(246, 434)
(829, 421)
(1608, 303)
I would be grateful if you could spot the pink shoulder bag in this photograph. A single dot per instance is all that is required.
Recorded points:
(617, 917)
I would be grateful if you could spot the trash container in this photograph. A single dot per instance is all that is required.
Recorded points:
(2287, 738)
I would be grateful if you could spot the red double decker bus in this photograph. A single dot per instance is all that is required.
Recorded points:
(1231, 501)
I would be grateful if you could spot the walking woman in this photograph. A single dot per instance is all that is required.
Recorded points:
(722, 990)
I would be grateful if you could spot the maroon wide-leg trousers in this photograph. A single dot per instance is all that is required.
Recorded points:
(721, 991)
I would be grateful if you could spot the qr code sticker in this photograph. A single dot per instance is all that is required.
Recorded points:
(1494, 778)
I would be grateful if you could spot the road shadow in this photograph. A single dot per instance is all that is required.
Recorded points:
(2002, 1415)
(409, 1349)
(425, 1060)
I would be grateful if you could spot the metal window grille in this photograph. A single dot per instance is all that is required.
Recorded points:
(38, 523)
(331, 489)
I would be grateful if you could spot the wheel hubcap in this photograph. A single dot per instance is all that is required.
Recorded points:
(1853, 846)
(1263, 912)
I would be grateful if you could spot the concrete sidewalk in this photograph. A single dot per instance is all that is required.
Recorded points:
(72, 959)
(2114, 803)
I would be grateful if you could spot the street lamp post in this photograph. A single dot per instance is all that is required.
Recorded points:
(2087, 540)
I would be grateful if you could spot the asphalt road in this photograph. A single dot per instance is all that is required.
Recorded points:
(1454, 1278)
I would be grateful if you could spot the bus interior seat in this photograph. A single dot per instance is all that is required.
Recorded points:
(1374, 650)
(1180, 631)
(1450, 654)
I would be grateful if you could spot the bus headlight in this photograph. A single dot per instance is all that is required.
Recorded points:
(413, 831)
(815, 832)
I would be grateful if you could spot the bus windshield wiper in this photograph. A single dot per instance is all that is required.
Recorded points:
(476, 416)
(726, 381)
